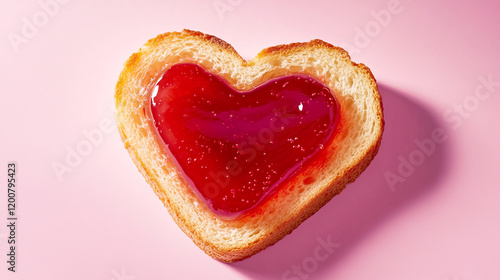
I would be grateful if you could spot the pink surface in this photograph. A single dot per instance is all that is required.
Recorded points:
(436, 218)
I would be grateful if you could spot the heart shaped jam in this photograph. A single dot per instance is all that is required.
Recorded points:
(238, 147)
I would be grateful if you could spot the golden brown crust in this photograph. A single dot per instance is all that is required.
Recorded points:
(284, 49)
(133, 90)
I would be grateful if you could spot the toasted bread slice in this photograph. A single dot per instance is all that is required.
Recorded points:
(355, 143)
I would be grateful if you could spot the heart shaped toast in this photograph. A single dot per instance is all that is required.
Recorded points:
(241, 152)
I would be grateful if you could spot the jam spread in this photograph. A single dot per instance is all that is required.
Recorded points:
(236, 148)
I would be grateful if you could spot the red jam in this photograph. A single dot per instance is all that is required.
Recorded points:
(237, 147)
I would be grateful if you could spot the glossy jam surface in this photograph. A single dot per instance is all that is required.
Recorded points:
(237, 147)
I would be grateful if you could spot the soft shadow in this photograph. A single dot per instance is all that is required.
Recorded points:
(366, 204)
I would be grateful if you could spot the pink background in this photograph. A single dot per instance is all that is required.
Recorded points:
(102, 221)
